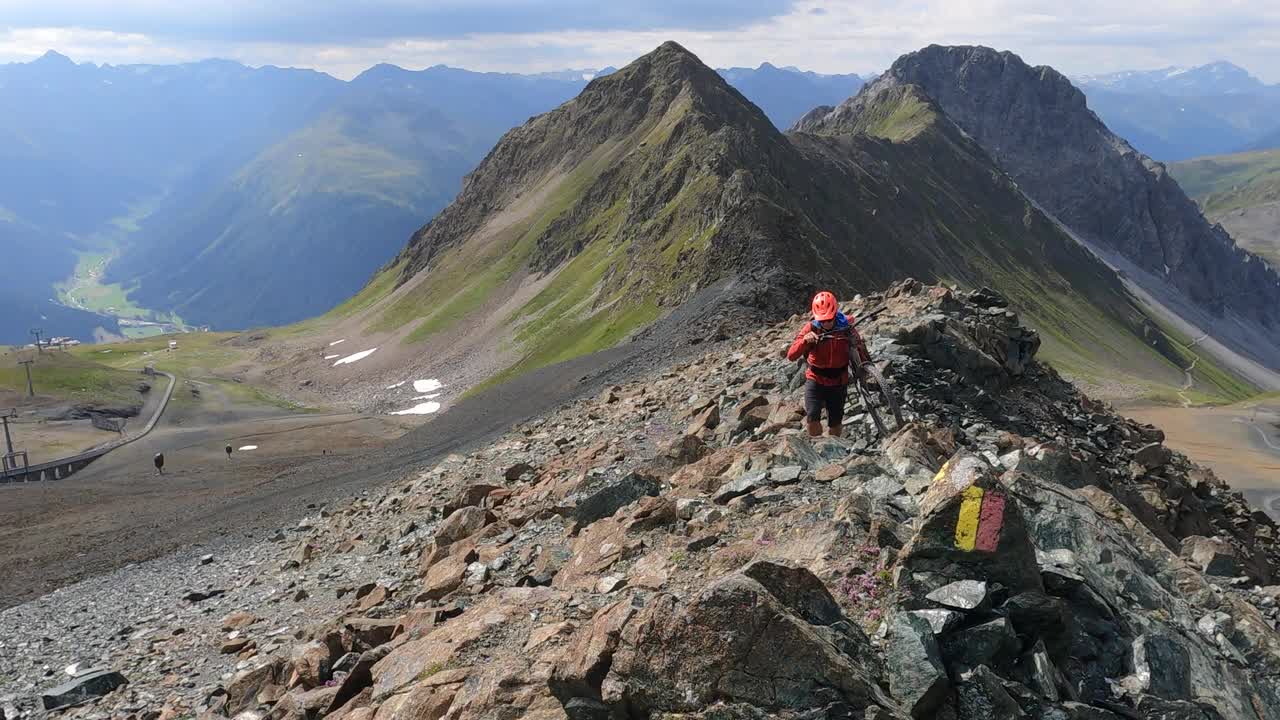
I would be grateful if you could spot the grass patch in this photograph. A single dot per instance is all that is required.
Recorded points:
(65, 376)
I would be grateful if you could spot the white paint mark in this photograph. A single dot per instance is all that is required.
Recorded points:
(353, 358)
(425, 408)
(426, 386)
(330, 357)
(336, 342)
(248, 447)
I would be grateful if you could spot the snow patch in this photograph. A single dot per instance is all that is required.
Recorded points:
(330, 357)
(425, 408)
(426, 386)
(588, 76)
(393, 387)
(337, 342)
(248, 447)
(355, 357)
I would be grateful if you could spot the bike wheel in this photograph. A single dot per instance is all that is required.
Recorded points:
(883, 393)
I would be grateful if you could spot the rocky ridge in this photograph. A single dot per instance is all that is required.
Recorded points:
(676, 548)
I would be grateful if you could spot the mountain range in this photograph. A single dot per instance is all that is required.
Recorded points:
(189, 176)
(1242, 193)
(660, 200)
(1178, 113)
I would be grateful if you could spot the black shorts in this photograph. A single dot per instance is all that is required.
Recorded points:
(832, 397)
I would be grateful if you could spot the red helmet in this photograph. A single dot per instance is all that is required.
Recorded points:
(824, 306)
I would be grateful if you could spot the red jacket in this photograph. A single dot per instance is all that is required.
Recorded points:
(829, 359)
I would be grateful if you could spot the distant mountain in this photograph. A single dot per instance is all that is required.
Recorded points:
(236, 196)
(1266, 142)
(1242, 192)
(662, 192)
(1035, 123)
(1217, 78)
(1178, 113)
(300, 226)
(785, 94)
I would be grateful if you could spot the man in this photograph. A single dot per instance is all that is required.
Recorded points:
(827, 344)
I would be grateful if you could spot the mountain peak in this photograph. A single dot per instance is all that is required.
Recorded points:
(53, 57)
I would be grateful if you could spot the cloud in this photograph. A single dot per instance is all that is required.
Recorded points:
(329, 21)
(1084, 36)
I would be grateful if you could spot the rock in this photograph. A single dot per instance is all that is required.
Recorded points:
(970, 528)
(85, 686)
(796, 450)
(981, 696)
(990, 643)
(462, 523)
(736, 488)
(738, 642)
(702, 543)
(517, 471)
(582, 708)
(590, 653)
(371, 599)
(917, 677)
(685, 450)
(300, 556)
(444, 577)
(1211, 556)
(234, 646)
(206, 559)
(828, 473)
(474, 495)
(940, 621)
(1044, 676)
(238, 620)
(704, 421)
(966, 595)
(1161, 667)
(197, 596)
(785, 475)
(602, 499)
(311, 665)
(243, 688)
(610, 583)
(1036, 615)
(1152, 455)
(687, 508)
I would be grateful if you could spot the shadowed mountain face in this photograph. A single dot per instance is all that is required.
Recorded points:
(661, 180)
(1037, 126)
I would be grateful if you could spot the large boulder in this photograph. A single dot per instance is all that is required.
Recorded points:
(600, 498)
(969, 528)
(770, 636)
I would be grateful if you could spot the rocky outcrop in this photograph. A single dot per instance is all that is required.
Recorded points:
(1015, 550)
(1038, 127)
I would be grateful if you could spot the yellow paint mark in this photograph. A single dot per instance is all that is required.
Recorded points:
(942, 472)
(967, 523)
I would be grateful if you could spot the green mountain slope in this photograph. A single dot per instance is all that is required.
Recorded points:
(1242, 192)
(597, 219)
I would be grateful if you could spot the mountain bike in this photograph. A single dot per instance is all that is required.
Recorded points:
(874, 391)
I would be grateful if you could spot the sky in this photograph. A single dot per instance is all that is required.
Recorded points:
(1076, 36)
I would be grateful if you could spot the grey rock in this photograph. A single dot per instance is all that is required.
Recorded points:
(940, 621)
(1152, 455)
(1211, 556)
(743, 485)
(917, 677)
(966, 595)
(605, 498)
(1162, 667)
(882, 486)
(990, 643)
(1044, 676)
(980, 695)
(785, 475)
(582, 708)
(85, 686)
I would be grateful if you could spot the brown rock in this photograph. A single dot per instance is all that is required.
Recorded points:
(243, 689)
(548, 632)
(234, 646)
(588, 655)
(737, 641)
(444, 577)
(828, 473)
(372, 599)
(238, 620)
(462, 523)
(310, 665)
(470, 496)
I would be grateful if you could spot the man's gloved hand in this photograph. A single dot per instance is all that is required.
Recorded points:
(810, 337)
